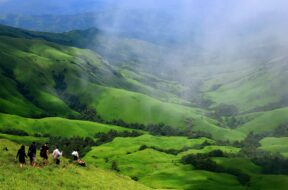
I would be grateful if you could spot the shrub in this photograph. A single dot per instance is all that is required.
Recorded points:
(225, 110)
(17, 132)
(114, 166)
(108, 137)
(67, 145)
(203, 162)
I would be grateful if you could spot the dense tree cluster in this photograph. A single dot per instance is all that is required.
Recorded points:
(204, 162)
(225, 110)
(85, 144)
(176, 151)
(283, 102)
(271, 163)
(67, 145)
(167, 151)
(114, 166)
(59, 78)
(250, 144)
(161, 129)
(108, 137)
(17, 132)
(281, 131)
(232, 121)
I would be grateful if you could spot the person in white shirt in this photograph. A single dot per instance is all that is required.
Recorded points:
(56, 155)
(75, 155)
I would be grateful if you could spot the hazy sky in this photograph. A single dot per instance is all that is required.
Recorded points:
(210, 22)
(237, 8)
(228, 29)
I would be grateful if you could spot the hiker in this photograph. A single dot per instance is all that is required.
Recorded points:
(75, 155)
(56, 155)
(21, 154)
(77, 159)
(32, 154)
(44, 152)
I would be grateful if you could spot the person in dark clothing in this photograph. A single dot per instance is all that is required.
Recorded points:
(44, 152)
(32, 154)
(21, 154)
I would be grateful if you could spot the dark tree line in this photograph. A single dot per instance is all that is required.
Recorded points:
(281, 131)
(232, 122)
(224, 110)
(204, 162)
(108, 137)
(90, 114)
(17, 132)
(271, 163)
(160, 129)
(174, 151)
(67, 145)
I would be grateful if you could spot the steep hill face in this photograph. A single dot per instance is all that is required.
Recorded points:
(42, 78)
(262, 88)
(70, 80)
(37, 72)
(221, 144)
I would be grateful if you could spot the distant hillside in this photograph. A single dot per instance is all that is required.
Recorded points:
(259, 88)
(42, 78)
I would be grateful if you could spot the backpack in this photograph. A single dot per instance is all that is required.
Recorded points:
(42, 152)
(30, 151)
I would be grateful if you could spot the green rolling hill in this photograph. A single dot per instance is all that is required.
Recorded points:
(70, 79)
(255, 94)
(55, 86)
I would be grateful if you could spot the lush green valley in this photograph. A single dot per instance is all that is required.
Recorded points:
(139, 127)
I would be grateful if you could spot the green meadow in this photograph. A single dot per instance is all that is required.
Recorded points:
(52, 87)
(275, 144)
(67, 176)
(56, 126)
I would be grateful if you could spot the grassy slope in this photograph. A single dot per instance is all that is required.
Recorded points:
(241, 164)
(161, 170)
(133, 107)
(252, 87)
(67, 176)
(120, 146)
(122, 51)
(276, 145)
(24, 60)
(258, 181)
(265, 121)
(85, 75)
(86, 72)
(185, 178)
(21, 64)
(158, 169)
(27, 140)
(206, 149)
(55, 126)
(164, 90)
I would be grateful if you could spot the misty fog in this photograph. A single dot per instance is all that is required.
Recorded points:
(186, 40)
(203, 38)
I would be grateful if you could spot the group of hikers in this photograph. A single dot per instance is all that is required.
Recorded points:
(44, 153)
